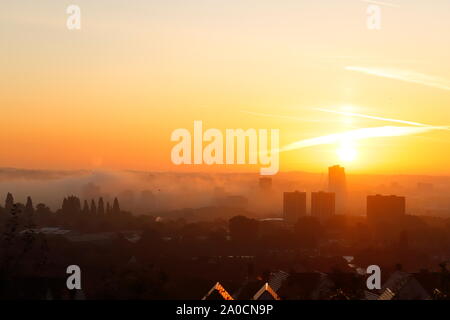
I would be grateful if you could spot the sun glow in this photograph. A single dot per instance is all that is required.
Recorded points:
(347, 151)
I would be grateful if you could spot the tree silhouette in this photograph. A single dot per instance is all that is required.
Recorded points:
(71, 205)
(85, 207)
(243, 229)
(308, 232)
(42, 209)
(116, 207)
(101, 206)
(19, 249)
(93, 207)
(29, 209)
(9, 202)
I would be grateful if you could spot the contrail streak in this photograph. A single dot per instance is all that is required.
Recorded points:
(359, 134)
(404, 75)
(356, 134)
(352, 114)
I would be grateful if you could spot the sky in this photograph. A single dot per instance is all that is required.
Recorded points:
(109, 95)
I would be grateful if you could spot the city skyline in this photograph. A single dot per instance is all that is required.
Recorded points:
(186, 153)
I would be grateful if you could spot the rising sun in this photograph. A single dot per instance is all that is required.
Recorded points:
(347, 151)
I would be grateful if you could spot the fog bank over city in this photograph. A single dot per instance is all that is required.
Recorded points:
(156, 192)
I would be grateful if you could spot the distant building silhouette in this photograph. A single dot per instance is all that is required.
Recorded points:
(323, 204)
(337, 183)
(294, 206)
(385, 208)
(425, 187)
(237, 202)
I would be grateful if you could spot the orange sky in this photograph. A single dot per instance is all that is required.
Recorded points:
(109, 96)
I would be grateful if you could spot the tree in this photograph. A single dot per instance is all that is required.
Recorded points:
(101, 206)
(243, 229)
(20, 251)
(308, 232)
(29, 209)
(71, 205)
(116, 207)
(9, 202)
(85, 207)
(42, 209)
(93, 207)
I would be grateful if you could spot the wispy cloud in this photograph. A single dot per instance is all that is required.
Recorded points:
(356, 134)
(404, 75)
(359, 134)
